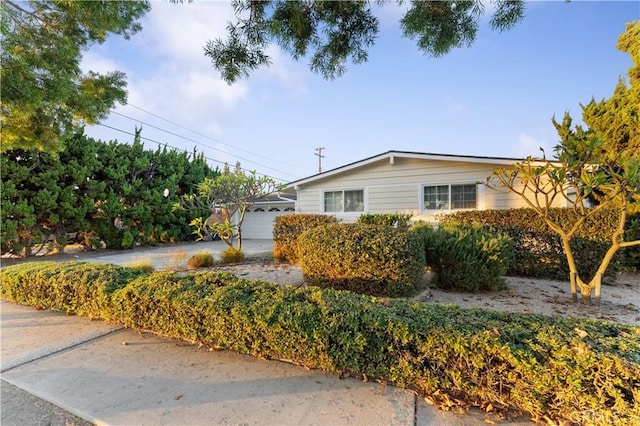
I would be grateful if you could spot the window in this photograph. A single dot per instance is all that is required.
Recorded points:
(463, 196)
(450, 197)
(344, 201)
(436, 197)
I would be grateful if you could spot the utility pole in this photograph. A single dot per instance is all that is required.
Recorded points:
(320, 157)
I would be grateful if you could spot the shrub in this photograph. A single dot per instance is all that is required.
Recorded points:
(396, 220)
(538, 251)
(168, 303)
(287, 229)
(200, 260)
(73, 287)
(630, 256)
(467, 258)
(232, 255)
(127, 240)
(145, 265)
(368, 259)
(165, 237)
(565, 370)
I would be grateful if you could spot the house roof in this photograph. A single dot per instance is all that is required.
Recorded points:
(390, 155)
(278, 197)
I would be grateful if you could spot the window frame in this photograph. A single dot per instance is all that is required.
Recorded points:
(449, 185)
(343, 201)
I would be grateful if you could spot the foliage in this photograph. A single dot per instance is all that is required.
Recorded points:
(467, 258)
(287, 229)
(145, 265)
(232, 255)
(538, 252)
(96, 191)
(564, 370)
(616, 121)
(232, 193)
(200, 260)
(589, 166)
(73, 287)
(631, 255)
(45, 96)
(368, 259)
(331, 33)
(397, 220)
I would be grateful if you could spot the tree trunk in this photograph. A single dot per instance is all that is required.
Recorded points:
(587, 288)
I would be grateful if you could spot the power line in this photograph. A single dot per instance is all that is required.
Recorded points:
(208, 137)
(182, 150)
(197, 142)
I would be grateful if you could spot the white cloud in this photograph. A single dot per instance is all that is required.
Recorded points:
(528, 145)
(179, 32)
(183, 84)
(169, 75)
(290, 74)
(95, 61)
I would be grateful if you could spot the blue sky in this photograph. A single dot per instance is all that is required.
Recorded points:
(495, 98)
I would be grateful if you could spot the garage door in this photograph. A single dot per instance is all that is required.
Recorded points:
(258, 221)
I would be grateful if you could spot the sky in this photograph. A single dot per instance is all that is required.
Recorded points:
(494, 98)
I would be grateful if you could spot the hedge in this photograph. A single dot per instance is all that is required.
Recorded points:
(72, 287)
(581, 371)
(396, 220)
(466, 258)
(369, 259)
(287, 229)
(538, 250)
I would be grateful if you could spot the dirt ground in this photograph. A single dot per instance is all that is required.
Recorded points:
(620, 302)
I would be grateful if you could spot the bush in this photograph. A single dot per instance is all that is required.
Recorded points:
(566, 370)
(630, 256)
(396, 220)
(467, 258)
(200, 260)
(232, 255)
(368, 259)
(287, 229)
(73, 287)
(145, 265)
(538, 251)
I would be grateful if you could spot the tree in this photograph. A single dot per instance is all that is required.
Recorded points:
(334, 32)
(44, 94)
(232, 192)
(595, 163)
(116, 193)
(616, 121)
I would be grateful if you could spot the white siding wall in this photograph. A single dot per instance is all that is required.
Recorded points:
(397, 187)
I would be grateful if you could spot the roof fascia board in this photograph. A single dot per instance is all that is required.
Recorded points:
(392, 155)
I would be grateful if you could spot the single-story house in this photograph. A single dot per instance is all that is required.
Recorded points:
(419, 183)
(258, 219)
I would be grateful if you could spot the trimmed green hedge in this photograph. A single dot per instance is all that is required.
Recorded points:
(368, 259)
(538, 250)
(287, 229)
(396, 220)
(73, 287)
(583, 371)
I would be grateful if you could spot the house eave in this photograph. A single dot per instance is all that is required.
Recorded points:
(391, 157)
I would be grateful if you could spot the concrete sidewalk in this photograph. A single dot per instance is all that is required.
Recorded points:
(106, 374)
